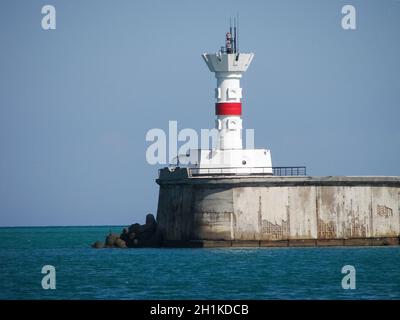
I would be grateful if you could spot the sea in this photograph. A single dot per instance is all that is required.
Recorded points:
(81, 272)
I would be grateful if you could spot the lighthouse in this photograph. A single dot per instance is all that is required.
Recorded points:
(228, 155)
(230, 196)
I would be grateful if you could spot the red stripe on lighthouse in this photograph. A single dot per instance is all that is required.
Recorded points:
(228, 109)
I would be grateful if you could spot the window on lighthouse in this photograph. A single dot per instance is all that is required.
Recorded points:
(232, 125)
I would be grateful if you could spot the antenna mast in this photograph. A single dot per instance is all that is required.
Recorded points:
(234, 35)
(237, 35)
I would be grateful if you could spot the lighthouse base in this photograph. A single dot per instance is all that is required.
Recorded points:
(231, 161)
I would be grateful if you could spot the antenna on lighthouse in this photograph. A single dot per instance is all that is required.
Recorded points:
(232, 38)
(234, 35)
(230, 25)
(237, 35)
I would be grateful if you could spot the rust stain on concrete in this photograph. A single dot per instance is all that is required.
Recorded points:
(275, 231)
(384, 211)
(326, 230)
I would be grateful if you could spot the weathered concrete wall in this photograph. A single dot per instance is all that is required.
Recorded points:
(277, 208)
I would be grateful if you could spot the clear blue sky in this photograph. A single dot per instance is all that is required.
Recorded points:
(76, 102)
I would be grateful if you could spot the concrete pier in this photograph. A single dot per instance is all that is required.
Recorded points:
(242, 211)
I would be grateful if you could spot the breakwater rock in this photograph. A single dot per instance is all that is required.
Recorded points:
(135, 236)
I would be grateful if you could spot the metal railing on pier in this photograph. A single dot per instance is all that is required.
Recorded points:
(289, 171)
(243, 171)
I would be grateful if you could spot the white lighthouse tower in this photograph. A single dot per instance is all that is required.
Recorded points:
(228, 155)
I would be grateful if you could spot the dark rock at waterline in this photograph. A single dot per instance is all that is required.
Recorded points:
(147, 240)
(119, 243)
(135, 236)
(150, 220)
(98, 245)
(145, 235)
(111, 239)
(136, 227)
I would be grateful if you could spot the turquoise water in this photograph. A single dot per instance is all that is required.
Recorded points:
(258, 273)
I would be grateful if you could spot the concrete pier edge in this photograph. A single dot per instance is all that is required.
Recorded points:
(353, 242)
(275, 211)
